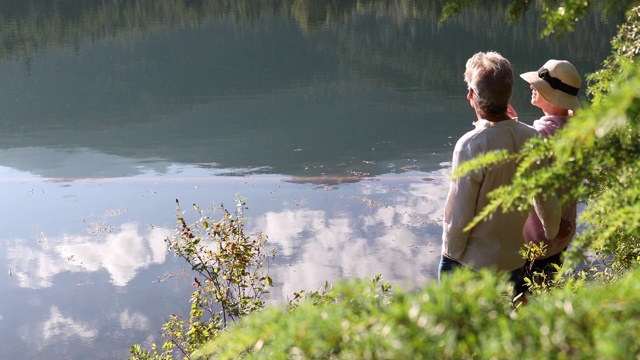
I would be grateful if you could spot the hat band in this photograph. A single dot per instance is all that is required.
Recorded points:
(557, 83)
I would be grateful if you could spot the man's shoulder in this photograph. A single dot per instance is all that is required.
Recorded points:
(484, 134)
(526, 127)
(518, 126)
(470, 135)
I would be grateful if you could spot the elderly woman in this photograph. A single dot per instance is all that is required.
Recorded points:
(492, 243)
(554, 89)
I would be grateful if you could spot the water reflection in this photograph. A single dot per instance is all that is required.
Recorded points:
(122, 253)
(389, 227)
(323, 227)
(63, 328)
(112, 268)
(241, 86)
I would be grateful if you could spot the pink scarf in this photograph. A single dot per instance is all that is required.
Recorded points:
(548, 124)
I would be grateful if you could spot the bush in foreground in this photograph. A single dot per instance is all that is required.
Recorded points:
(231, 270)
(468, 316)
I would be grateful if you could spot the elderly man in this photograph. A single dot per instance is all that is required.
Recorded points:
(492, 243)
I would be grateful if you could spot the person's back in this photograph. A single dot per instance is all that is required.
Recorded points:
(495, 243)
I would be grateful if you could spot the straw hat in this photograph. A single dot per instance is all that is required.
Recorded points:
(558, 82)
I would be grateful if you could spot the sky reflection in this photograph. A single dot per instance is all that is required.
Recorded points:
(388, 225)
(64, 328)
(79, 256)
(392, 229)
(122, 253)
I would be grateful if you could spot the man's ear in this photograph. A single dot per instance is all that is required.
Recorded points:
(470, 94)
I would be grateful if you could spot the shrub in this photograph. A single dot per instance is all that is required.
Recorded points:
(232, 276)
(468, 316)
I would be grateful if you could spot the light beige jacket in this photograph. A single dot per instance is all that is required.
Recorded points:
(494, 243)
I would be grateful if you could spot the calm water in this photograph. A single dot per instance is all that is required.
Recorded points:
(336, 125)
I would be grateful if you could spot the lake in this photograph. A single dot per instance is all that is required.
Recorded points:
(335, 122)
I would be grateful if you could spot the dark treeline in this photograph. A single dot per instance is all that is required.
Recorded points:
(28, 26)
(398, 43)
(402, 43)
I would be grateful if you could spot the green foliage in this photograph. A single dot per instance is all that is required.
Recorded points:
(468, 316)
(614, 118)
(493, 159)
(553, 276)
(560, 16)
(323, 295)
(232, 277)
(625, 47)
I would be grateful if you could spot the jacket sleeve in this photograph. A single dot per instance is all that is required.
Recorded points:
(460, 206)
(548, 208)
(549, 212)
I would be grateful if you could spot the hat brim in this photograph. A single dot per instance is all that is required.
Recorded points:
(553, 96)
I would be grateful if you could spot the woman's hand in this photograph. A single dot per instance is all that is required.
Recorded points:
(511, 112)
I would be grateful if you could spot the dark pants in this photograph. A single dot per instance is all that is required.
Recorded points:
(544, 266)
(447, 265)
(515, 276)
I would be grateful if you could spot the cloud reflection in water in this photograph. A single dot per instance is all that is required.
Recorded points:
(395, 231)
(60, 328)
(389, 225)
(122, 253)
(385, 226)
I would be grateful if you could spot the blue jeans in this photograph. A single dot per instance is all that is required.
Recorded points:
(449, 265)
